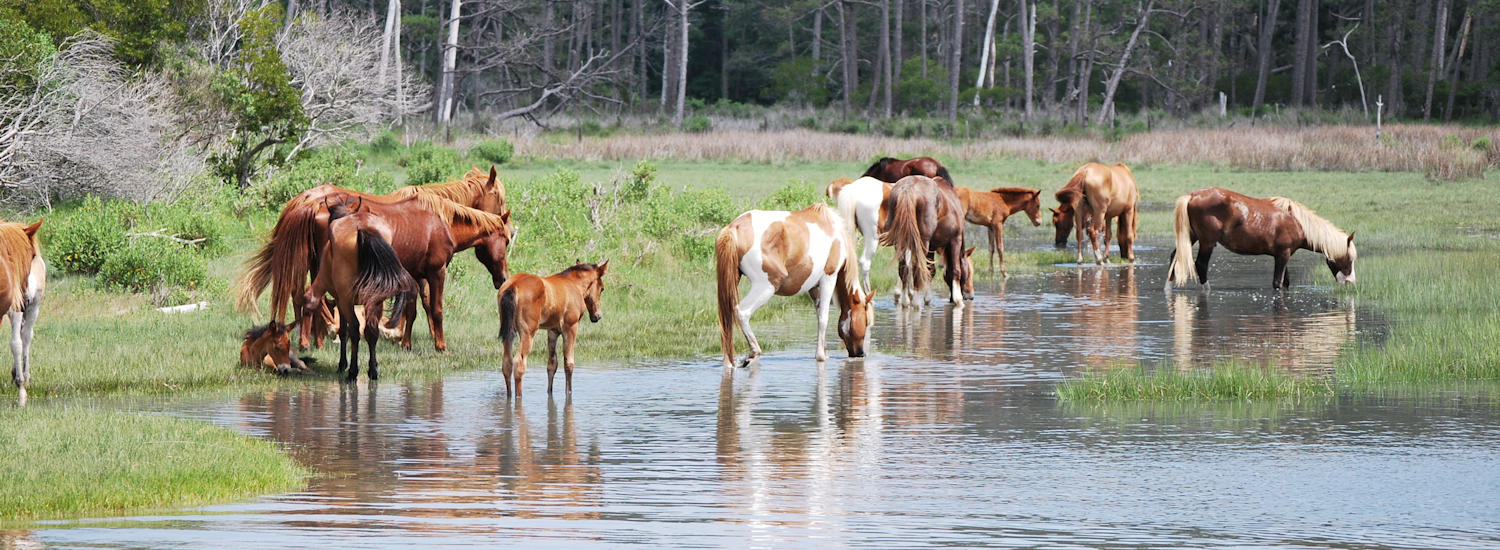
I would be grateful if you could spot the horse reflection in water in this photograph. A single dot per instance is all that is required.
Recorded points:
(1286, 339)
(1106, 323)
(941, 334)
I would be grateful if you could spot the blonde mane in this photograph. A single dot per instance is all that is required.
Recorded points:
(485, 222)
(461, 190)
(1321, 234)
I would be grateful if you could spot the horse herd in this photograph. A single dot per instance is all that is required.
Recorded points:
(335, 256)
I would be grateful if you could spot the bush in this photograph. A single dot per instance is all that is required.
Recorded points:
(81, 242)
(795, 195)
(385, 142)
(186, 221)
(164, 268)
(642, 180)
(495, 151)
(697, 124)
(427, 163)
(335, 167)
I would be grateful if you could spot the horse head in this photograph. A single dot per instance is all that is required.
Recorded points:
(855, 321)
(966, 274)
(593, 291)
(271, 345)
(492, 198)
(1062, 221)
(1034, 207)
(1343, 266)
(494, 251)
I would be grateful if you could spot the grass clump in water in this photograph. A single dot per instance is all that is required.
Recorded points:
(1165, 382)
(73, 462)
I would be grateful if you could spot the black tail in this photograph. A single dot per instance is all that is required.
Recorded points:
(943, 173)
(508, 315)
(380, 271)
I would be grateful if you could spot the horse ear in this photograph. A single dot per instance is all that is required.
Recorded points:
(505, 216)
(970, 251)
(1053, 210)
(32, 229)
(1351, 236)
(602, 267)
(493, 176)
(293, 326)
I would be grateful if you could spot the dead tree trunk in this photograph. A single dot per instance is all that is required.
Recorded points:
(958, 50)
(985, 47)
(1263, 51)
(1114, 80)
(1439, 37)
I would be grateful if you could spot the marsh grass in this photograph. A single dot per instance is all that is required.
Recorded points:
(120, 461)
(1166, 382)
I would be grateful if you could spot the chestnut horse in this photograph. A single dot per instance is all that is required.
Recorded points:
(23, 279)
(291, 256)
(861, 202)
(359, 267)
(891, 170)
(1275, 227)
(989, 209)
(927, 216)
(556, 303)
(270, 346)
(785, 254)
(1100, 193)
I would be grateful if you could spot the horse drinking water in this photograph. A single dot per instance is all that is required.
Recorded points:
(1275, 227)
(785, 254)
(23, 278)
(1095, 194)
(556, 303)
(925, 216)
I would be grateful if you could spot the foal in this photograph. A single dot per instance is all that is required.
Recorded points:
(270, 346)
(989, 209)
(556, 303)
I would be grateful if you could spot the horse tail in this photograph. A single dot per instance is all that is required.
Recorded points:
(904, 233)
(1182, 269)
(283, 262)
(942, 172)
(727, 273)
(380, 272)
(508, 314)
(254, 280)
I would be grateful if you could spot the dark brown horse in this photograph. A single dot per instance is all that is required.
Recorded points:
(927, 216)
(1275, 227)
(556, 303)
(359, 267)
(891, 170)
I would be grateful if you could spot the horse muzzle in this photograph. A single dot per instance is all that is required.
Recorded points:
(595, 317)
(1345, 279)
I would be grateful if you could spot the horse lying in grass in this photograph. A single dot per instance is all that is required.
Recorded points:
(556, 303)
(1096, 194)
(269, 346)
(989, 209)
(862, 202)
(809, 251)
(23, 279)
(926, 216)
(1275, 227)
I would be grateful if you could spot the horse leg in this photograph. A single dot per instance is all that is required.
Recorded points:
(1205, 251)
(551, 357)
(1280, 280)
(434, 305)
(952, 257)
(349, 337)
(1125, 236)
(867, 256)
(825, 295)
(410, 315)
(18, 371)
(570, 338)
(759, 294)
(507, 364)
(1078, 215)
(992, 251)
(373, 312)
(527, 336)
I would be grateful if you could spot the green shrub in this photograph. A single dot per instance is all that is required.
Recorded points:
(335, 167)
(495, 151)
(80, 243)
(186, 221)
(642, 180)
(426, 163)
(1482, 144)
(697, 124)
(158, 266)
(710, 206)
(385, 142)
(795, 195)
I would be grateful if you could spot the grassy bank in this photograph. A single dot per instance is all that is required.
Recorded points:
(1167, 382)
(117, 462)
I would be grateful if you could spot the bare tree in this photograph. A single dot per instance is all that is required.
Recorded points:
(958, 50)
(446, 91)
(1263, 50)
(1114, 80)
(985, 48)
(1028, 54)
(1343, 43)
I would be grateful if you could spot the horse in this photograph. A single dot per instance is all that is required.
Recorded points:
(557, 302)
(1100, 193)
(927, 216)
(862, 202)
(789, 253)
(23, 280)
(891, 170)
(291, 256)
(270, 346)
(1275, 226)
(359, 266)
(989, 209)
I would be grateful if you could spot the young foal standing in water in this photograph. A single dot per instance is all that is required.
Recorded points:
(1276, 227)
(556, 303)
(788, 253)
(23, 278)
(989, 209)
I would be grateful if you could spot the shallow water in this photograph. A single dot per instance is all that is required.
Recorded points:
(948, 435)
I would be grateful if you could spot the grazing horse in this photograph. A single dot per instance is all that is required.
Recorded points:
(556, 303)
(927, 216)
(891, 170)
(292, 255)
(789, 253)
(270, 346)
(23, 279)
(989, 209)
(1097, 193)
(1276, 227)
(359, 267)
(862, 202)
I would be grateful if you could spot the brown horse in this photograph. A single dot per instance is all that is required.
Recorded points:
(989, 209)
(809, 251)
(23, 279)
(1101, 193)
(927, 216)
(359, 267)
(270, 346)
(891, 170)
(291, 256)
(1276, 227)
(556, 303)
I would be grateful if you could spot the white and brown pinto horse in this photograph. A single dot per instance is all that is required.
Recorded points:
(789, 253)
(862, 203)
(1095, 194)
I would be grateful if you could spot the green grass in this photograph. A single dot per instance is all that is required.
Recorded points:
(1165, 382)
(68, 462)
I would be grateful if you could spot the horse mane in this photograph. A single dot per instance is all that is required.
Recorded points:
(577, 267)
(1004, 190)
(461, 190)
(17, 249)
(879, 166)
(1321, 234)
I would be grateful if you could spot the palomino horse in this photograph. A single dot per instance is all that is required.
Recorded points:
(23, 279)
(1275, 227)
(789, 253)
(270, 346)
(1101, 193)
(927, 216)
(891, 170)
(862, 202)
(556, 303)
(290, 257)
(359, 267)
(989, 209)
